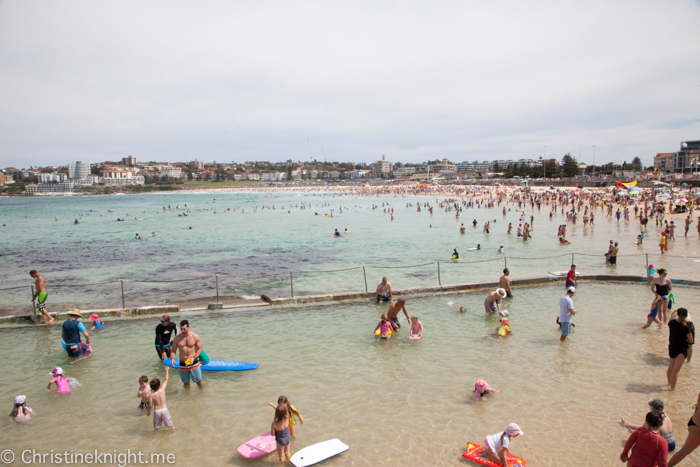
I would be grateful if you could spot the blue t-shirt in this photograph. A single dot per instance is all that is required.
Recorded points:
(651, 271)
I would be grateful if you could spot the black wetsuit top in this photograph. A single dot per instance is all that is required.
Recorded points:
(164, 334)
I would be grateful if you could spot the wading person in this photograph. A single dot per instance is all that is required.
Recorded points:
(650, 448)
(70, 332)
(164, 332)
(393, 313)
(492, 304)
(504, 283)
(566, 312)
(693, 439)
(40, 296)
(679, 339)
(190, 347)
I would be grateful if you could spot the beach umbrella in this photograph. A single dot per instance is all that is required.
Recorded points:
(680, 200)
(666, 195)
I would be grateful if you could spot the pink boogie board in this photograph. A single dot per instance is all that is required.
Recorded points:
(415, 338)
(258, 447)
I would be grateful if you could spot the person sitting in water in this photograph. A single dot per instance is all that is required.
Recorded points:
(666, 430)
(563, 241)
(383, 292)
(478, 246)
(501, 331)
(346, 231)
(481, 388)
(455, 255)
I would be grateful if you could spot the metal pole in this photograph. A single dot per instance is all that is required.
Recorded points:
(647, 260)
(33, 301)
(291, 282)
(123, 305)
(217, 287)
(365, 274)
(439, 281)
(572, 259)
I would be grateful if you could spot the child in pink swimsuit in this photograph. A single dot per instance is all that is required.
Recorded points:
(416, 327)
(384, 327)
(60, 380)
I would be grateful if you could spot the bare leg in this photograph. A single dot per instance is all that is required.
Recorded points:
(287, 451)
(292, 431)
(691, 443)
(628, 424)
(280, 452)
(674, 367)
(690, 354)
(200, 384)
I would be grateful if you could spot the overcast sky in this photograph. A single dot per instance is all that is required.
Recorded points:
(234, 81)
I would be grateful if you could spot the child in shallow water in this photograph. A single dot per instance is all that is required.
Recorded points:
(652, 317)
(291, 412)
(481, 388)
(416, 327)
(21, 413)
(280, 430)
(60, 380)
(384, 327)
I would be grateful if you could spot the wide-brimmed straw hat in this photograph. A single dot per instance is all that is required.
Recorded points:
(75, 312)
(501, 293)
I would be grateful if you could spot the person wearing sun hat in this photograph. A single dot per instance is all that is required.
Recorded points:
(21, 413)
(496, 446)
(566, 312)
(492, 304)
(70, 333)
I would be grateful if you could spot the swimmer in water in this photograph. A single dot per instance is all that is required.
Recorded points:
(502, 330)
(336, 233)
(481, 388)
(454, 307)
(455, 255)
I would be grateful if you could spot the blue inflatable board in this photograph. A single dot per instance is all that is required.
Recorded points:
(217, 365)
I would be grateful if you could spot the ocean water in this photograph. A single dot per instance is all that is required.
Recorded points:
(253, 250)
(396, 402)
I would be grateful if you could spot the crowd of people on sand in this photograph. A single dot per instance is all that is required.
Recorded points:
(650, 443)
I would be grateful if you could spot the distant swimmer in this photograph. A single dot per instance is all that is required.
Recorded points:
(474, 223)
(76, 222)
(564, 241)
(504, 283)
(478, 246)
(501, 249)
(455, 255)
(336, 233)
(41, 295)
(137, 237)
(346, 231)
(462, 229)
(454, 307)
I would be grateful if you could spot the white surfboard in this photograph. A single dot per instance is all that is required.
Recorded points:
(562, 273)
(318, 452)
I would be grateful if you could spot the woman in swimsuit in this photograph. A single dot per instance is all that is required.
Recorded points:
(662, 287)
(693, 439)
(679, 340)
(666, 430)
(280, 430)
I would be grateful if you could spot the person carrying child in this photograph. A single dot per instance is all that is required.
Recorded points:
(291, 413)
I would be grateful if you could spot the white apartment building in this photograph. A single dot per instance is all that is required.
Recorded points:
(50, 188)
(78, 170)
(52, 177)
(356, 174)
(381, 168)
(168, 171)
(254, 177)
(274, 176)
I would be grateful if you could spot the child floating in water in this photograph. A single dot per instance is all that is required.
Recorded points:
(96, 323)
(60, 380)
(384, 327)
(416, 327)
(501, 331)
(481, 388)
(653, 314)
(291, 413)
(21, 413)
(461, 309)
(145, 395)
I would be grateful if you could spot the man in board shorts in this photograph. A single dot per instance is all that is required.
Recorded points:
(393, 313)
(41, 295)
(190, 347)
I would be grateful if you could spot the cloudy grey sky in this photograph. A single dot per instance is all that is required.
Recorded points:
(414, 80)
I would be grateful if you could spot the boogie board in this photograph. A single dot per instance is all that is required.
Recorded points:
(473, 448)
(258, 447)
(455, 259)
(217, 365)
(562, 273)
(341, 235)
(472, 249)
(415, 338)
(318, 452)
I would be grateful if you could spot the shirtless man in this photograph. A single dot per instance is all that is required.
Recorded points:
(40, 294)
(190, 347)
(612, 259)
(492, 304)
(383, 292)
(393, 313)
(161, 415)
(504, 283)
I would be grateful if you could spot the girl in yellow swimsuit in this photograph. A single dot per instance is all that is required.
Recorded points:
(292, 413)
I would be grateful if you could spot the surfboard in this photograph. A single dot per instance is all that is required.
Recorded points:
(341, 235)
(455, 259)
(217, 365)
(318, 452)
(562, 273)
(258, 447)
(472, 249)
(473, 448)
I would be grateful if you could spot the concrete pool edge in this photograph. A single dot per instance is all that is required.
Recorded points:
(274, 302)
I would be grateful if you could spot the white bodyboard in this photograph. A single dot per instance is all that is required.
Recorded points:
(318, 452)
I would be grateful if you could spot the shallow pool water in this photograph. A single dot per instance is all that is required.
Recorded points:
(396, 402)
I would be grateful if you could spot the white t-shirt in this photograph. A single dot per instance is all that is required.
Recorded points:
(494, 441)
(21, 417)
(565, 304)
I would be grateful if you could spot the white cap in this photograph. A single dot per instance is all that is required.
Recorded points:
(19, 400)
(571, 289)
(57, 371)
(514, 429)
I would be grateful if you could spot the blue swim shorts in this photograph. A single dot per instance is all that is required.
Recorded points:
(565, 328)
(195, 374)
